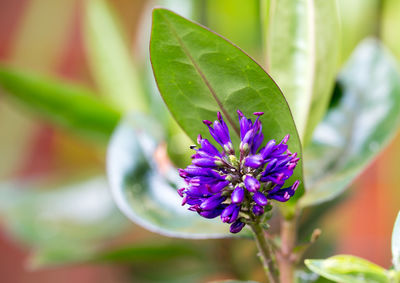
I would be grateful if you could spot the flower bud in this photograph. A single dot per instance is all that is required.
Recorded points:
(251, 183)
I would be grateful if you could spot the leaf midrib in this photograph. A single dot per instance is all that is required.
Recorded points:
(203, 77)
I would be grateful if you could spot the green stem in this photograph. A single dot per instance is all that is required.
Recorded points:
(265, 253)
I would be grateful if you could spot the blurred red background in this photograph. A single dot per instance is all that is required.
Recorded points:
(46, 36)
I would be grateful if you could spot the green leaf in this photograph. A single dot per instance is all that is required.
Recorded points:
(110, 59)
(396, 243)
(348, 269)
(365, 117)
(199, 73)
(61, 223)
(143, 183)
(66, 105)
(302, 51)
(152, 252)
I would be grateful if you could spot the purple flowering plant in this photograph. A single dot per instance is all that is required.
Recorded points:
(270, 146)
(238, 189)
(245, 174)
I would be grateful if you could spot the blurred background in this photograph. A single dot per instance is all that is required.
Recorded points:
(58, 220)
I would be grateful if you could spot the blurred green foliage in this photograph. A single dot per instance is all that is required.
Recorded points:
(49, 219)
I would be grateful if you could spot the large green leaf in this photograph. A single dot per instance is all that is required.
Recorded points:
(69, 106)
(348, 269)
(110, 59)
(199, 73)
(358, 127)
(396, 243)
(302, 51)
(144, 184)
(62, 224)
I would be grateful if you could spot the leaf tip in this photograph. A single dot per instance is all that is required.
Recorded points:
(158, 11)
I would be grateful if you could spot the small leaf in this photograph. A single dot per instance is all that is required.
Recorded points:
(144, 183)
(62, 223)
(396, 243)
(348, 269)
(302, 51)
(199, 73)
(66, 105)
(355, 130)
(110, 59)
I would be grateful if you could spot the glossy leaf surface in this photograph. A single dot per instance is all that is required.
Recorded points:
(396, 243)
(199, 73)
(66, 105)
(348, 269)
(144, 183)
(110, 59)
(365, 117)
(302, 54)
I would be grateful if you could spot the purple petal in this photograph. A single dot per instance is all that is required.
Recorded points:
(230, 213)
(204, 162)
(260, 199)
(268, 149)
(285, 194)
(211, 213)
(257, 141)
(207, 147)
(254, 161)
(236, 226)
(237, 195)
(251, 183)
(219, 186)
(219, 130)
(258, 210)
(212, 202)
(180, 191)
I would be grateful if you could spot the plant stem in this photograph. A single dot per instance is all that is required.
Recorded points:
(285, 258)
(265, 253)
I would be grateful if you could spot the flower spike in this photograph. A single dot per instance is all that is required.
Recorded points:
(237, 188)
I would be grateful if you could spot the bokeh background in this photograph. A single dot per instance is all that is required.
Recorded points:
(51, 228)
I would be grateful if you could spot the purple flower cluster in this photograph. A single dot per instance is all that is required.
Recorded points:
(237, 189)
